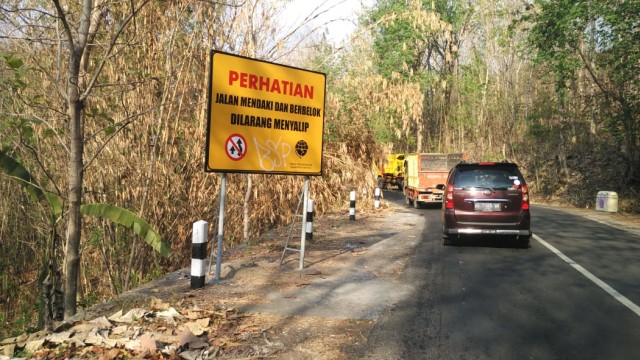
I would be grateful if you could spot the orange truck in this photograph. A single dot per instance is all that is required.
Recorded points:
(392, 171)
(425, 176)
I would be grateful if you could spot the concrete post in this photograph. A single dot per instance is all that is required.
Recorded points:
(309, 225)
(199, 253)
(352, 205)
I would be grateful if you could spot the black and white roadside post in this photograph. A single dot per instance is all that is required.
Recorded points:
(352, 205)
(309, 226)
(199, 253)
(376, 201)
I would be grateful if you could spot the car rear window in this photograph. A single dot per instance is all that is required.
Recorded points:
(492, 177)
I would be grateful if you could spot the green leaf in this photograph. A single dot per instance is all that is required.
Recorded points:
(54, 202)
(14, 63)
(18, 83)
(129, 220)
(47, 133)
(27, 131)
(16, 171)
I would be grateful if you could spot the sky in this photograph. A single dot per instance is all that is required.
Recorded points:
(342, 15)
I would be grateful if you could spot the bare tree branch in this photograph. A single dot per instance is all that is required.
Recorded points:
(111, 47)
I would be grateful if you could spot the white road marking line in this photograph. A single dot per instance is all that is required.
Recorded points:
(611, 291)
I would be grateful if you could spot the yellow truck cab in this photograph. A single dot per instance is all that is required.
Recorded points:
(392, 171)
(426, 175)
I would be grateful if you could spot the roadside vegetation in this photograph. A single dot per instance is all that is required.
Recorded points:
(103, 110)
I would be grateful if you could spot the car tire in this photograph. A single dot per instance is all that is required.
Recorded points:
(447, 241)
(523, 242)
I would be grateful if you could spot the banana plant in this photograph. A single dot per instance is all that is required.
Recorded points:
(16, 171)
(131, 221)
(117, 215)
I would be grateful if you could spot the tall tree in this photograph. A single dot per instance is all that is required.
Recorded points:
(418, 41)
(82, 51)
(601, 38)
(77, 86)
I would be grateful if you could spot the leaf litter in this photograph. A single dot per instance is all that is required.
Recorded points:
(163, 321)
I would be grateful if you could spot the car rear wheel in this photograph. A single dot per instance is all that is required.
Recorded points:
(447, 241)
(523, 242)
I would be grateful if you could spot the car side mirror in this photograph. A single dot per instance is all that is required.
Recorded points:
(440, 187)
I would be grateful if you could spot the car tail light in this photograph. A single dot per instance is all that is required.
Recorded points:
(525, 197)
(448, 199)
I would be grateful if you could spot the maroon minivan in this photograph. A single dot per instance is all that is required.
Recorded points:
(489, 199)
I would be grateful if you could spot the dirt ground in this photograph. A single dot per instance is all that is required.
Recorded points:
(249, 275)
(165, 319)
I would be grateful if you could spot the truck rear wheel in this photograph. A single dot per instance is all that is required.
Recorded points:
(416, 204)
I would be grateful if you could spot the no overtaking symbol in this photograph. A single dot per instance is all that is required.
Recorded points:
(236, 147)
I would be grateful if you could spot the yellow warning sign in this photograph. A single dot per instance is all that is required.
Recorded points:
(264, 117)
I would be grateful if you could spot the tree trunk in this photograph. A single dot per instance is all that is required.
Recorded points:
(562, 154)
(75, 112)
(74, 224)
(633, 175)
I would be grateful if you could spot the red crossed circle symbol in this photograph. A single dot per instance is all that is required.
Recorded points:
(236, 147)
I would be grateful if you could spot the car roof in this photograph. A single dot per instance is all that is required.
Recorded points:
(487, 164)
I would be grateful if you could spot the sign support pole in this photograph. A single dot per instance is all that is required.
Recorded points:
(303, 234)
(223, 192)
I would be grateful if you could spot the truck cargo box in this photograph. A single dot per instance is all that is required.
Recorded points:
(425, 176)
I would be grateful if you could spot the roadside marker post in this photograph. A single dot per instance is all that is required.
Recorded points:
(352, 205)
(309, 225)
(303, 227)
(376, 202)
(199, 253)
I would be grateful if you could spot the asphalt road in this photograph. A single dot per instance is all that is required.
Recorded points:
(573, 295)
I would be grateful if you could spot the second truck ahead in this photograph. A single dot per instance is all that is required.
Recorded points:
(425, 176)
(392, 171)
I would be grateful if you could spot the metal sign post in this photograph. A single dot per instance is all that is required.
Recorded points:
(223, 192)
(304, 199)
